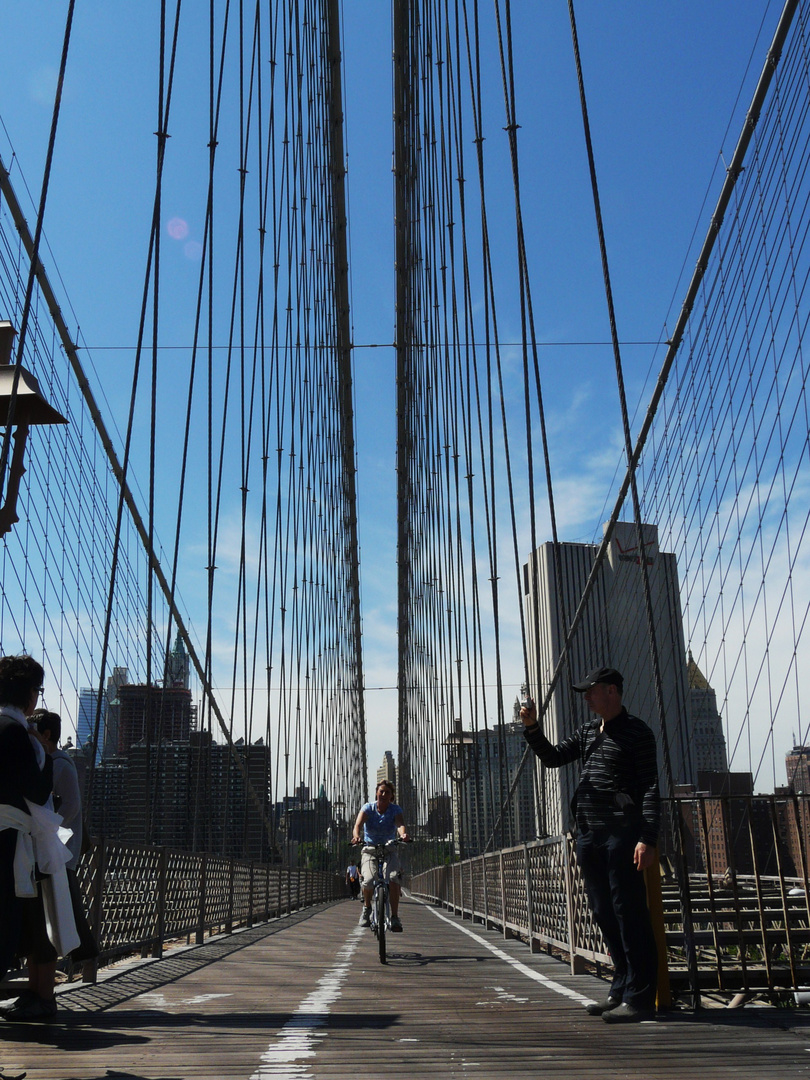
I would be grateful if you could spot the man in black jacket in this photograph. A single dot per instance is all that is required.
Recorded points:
(617, 814)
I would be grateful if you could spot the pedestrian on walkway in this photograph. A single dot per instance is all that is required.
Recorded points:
(617, 810)
(24, 774)
(67, 802)
(353, 879)
(32, 856)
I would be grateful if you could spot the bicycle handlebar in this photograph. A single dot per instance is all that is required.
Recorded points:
(385, 843)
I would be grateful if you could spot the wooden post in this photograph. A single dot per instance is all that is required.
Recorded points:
(577, 961)
(533, 944)
(655, 902)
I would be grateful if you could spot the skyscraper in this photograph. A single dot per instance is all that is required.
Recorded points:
(708, 741)
(797, 767)
(119, 678)
(86, 721)
(162, 781)
(484, 765)
(613, 632)
(177, 666)
(153, 713)
(439, 816)
(388, 769)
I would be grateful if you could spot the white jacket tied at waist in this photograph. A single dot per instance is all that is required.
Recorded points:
(41, 842)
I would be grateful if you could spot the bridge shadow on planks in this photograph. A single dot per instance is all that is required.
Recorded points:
(149, 975)
(81, 1032)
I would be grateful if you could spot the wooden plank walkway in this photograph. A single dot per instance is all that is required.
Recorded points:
(307, 998)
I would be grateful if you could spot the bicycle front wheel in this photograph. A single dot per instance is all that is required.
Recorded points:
(380, 915)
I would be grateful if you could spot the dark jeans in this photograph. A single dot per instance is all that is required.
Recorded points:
(618, 898)
(10, 913)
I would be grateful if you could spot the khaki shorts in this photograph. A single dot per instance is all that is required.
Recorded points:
(368, 866)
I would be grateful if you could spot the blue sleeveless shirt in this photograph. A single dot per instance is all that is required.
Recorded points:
(377, 828)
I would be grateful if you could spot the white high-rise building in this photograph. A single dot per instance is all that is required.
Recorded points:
(613, 633)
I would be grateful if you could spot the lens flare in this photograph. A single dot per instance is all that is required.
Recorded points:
(177, 228)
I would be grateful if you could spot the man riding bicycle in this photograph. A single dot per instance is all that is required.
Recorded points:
(381, 821)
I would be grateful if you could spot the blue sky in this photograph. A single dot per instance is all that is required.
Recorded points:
(667, 85)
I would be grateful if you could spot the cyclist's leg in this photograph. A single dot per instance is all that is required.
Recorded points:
(394, 892)
(368, 871)
(393, 869)
(393, 874)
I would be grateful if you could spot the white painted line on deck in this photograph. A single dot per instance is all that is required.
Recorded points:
(298, 1038)
(530, 973)
(156, 1000)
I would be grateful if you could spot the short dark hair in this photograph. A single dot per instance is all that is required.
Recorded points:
(385, 783)
(47, 721)
(19, 676)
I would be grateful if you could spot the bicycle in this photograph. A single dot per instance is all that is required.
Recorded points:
(380, 901)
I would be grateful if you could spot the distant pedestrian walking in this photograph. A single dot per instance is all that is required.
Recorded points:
(353, 879)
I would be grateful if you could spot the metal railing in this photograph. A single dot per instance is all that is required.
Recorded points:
(139, 898)
(729, 922)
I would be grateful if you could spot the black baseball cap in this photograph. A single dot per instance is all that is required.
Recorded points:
(602, 674)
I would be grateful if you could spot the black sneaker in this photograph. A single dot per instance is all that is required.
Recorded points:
(628, 1014)
(396, 924)
(599, 1008)
(25, 998)
(36, 1010)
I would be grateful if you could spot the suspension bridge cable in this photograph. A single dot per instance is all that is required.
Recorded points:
(32, 270)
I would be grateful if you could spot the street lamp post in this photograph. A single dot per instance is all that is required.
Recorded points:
(24, 405)
(459, 745)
